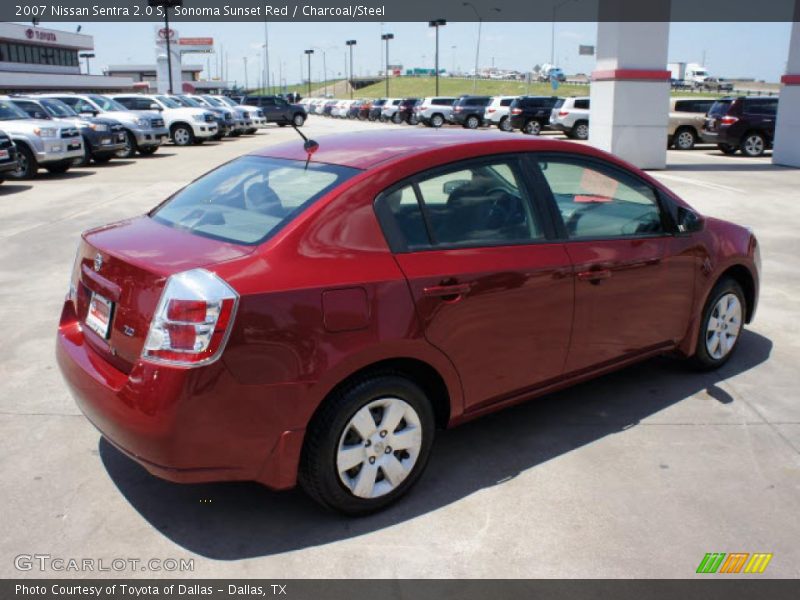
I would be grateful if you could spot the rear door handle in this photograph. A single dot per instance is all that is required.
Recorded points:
(595, 275)
(443, 291)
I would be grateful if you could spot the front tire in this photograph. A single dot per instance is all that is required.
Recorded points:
(298, 120)
(182, 135)
(59, 168)
(148, 150)
(396, 118)
(727, 149)
(368, 444)
(130, 146)
(437, 121)
(26, 164)
(721, 326)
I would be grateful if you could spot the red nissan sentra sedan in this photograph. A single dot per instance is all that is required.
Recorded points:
(290, 317)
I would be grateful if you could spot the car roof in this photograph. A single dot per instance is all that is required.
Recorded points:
(366, 149)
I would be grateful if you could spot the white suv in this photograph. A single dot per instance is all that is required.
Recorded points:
(434, 111)
(571, 115)
(496, 113)
(186, 125)
(390, 107)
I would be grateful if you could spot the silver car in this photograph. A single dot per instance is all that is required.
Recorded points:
(433, 111)
(571, 116)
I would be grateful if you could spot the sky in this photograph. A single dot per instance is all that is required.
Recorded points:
(756, 50)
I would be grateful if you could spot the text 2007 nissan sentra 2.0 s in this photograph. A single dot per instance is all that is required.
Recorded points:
(295, 317)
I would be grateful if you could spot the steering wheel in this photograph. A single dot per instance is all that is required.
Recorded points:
(502, 208)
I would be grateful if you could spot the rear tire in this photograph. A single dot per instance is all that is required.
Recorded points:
(727, 149)
(396, 118)
(347, 430)
(148, 150)
(684, 139)
(532, 127)
(721, 325)
(437, 121)
(504, 124)
(581, 130)
(472, 122)
(754, 145)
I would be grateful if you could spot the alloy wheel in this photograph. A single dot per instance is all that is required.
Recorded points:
(379, 447)
(754, 145)
(437, 121)
(181, 137)
(724, 326)
(582, 131)
(533, 127)
(685, 140)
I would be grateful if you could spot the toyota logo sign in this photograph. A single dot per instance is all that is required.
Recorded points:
(29, 33)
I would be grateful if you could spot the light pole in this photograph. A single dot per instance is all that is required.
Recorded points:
(386, 37)
(478, 45)
(436, 24)
(244, 58)
(553, 31)
(166, 5)
(87, 56)
(309, 52)
(266, 56)
(351, 43)
(453, 48)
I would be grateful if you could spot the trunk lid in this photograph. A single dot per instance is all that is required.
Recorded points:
(127, 264)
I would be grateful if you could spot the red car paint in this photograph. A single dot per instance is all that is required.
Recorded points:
(325, 298)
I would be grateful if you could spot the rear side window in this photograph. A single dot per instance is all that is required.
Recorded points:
(480, 204)
(506, 101)
(582, 103)
(720, 107)
(693, 106)
(600, 202)
(248, 199)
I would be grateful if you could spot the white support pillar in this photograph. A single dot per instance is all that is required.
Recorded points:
(786, 150)
(630, 89)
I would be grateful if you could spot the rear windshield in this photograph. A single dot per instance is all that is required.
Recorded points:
(247, 200)
(720, 107)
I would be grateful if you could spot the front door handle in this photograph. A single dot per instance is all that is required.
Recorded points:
(595, 275)
(449, 291)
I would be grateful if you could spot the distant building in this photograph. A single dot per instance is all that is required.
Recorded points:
(145, 78)
(38, 59)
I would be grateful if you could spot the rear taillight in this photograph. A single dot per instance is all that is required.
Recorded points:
(563, 113)
(491, 110)
(727, 120)
(516, 111)
(192, 321)
(457, 109)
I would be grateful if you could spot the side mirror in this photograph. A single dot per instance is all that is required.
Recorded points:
(155, 106)
(451, 186)
(689, 221)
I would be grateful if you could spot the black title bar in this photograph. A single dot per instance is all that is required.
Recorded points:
(405, 10)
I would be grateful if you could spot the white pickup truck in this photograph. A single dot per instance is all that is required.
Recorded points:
(186, 125)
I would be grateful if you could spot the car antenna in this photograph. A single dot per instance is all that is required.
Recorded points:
(310, 146)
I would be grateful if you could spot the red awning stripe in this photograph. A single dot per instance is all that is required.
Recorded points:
(631, 75)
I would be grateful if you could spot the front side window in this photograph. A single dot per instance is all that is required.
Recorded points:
(248, 199)
(600, 202)
(168, 102)
(481, 204)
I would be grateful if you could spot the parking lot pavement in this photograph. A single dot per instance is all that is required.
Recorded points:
(637, 474)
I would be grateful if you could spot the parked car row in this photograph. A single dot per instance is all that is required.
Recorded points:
(744, 123)
(57, 131)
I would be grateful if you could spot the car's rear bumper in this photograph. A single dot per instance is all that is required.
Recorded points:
(183, 425)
